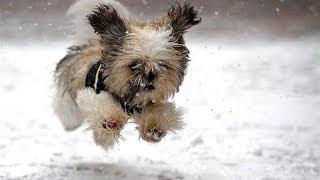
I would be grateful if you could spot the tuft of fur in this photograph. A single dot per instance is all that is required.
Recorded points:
(155, 121)
(78, 12)
(107, 23)
(182, 18)
(97, 110)
(67, 110)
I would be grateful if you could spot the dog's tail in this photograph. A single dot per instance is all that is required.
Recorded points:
(77, 13)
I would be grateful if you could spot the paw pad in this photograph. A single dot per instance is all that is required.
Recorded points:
(110, 124)
(153, 135)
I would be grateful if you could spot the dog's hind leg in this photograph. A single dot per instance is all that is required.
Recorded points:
(67, 111)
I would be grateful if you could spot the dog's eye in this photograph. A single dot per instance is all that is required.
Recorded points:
(164, 66)
(133, 65)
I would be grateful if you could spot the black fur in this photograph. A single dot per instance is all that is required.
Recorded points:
(182, 18)
(126, 106)
(107, 23)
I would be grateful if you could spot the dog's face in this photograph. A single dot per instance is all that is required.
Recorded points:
(145, 61)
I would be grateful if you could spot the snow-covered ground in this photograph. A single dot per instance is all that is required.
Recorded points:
(252, 112)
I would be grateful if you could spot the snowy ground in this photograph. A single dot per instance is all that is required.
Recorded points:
(252, 112)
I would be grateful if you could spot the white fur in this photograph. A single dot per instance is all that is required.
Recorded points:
(96, 108)
(78, 12)
(149, 42)
(66, 110)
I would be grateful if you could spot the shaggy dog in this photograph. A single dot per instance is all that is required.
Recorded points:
(127, 69)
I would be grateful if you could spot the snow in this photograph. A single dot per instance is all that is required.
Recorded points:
(251, 109)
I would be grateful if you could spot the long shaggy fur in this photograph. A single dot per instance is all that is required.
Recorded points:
(144, 64)
(97, 110)
(155, 121)
(67, 111)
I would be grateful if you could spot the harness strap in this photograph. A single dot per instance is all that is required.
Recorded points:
(95, 77)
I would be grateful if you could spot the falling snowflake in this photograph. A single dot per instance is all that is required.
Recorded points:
(201, 8)
(145, 2)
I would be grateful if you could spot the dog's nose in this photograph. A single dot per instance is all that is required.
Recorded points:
(151, 76)
(149, 87)
(150, 79)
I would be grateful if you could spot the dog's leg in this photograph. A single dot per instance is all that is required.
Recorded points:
(155, 121)
(104, 115)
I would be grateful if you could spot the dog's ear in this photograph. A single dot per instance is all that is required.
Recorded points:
(181, 18)
(107, 23)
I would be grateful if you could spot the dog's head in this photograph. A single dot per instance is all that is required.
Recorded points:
(145, 61)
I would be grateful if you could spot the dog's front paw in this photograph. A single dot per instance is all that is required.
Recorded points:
(152, 133)
(155, 121)
(104, 115)
(107, 131)
(111, 124)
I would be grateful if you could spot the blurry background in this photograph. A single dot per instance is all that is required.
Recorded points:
(245, 18)
(251, 97)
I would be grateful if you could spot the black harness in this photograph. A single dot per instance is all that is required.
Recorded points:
(95, 78)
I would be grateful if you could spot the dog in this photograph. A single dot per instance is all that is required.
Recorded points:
(123, 68)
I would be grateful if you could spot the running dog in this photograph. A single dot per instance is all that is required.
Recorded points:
(123, 68)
